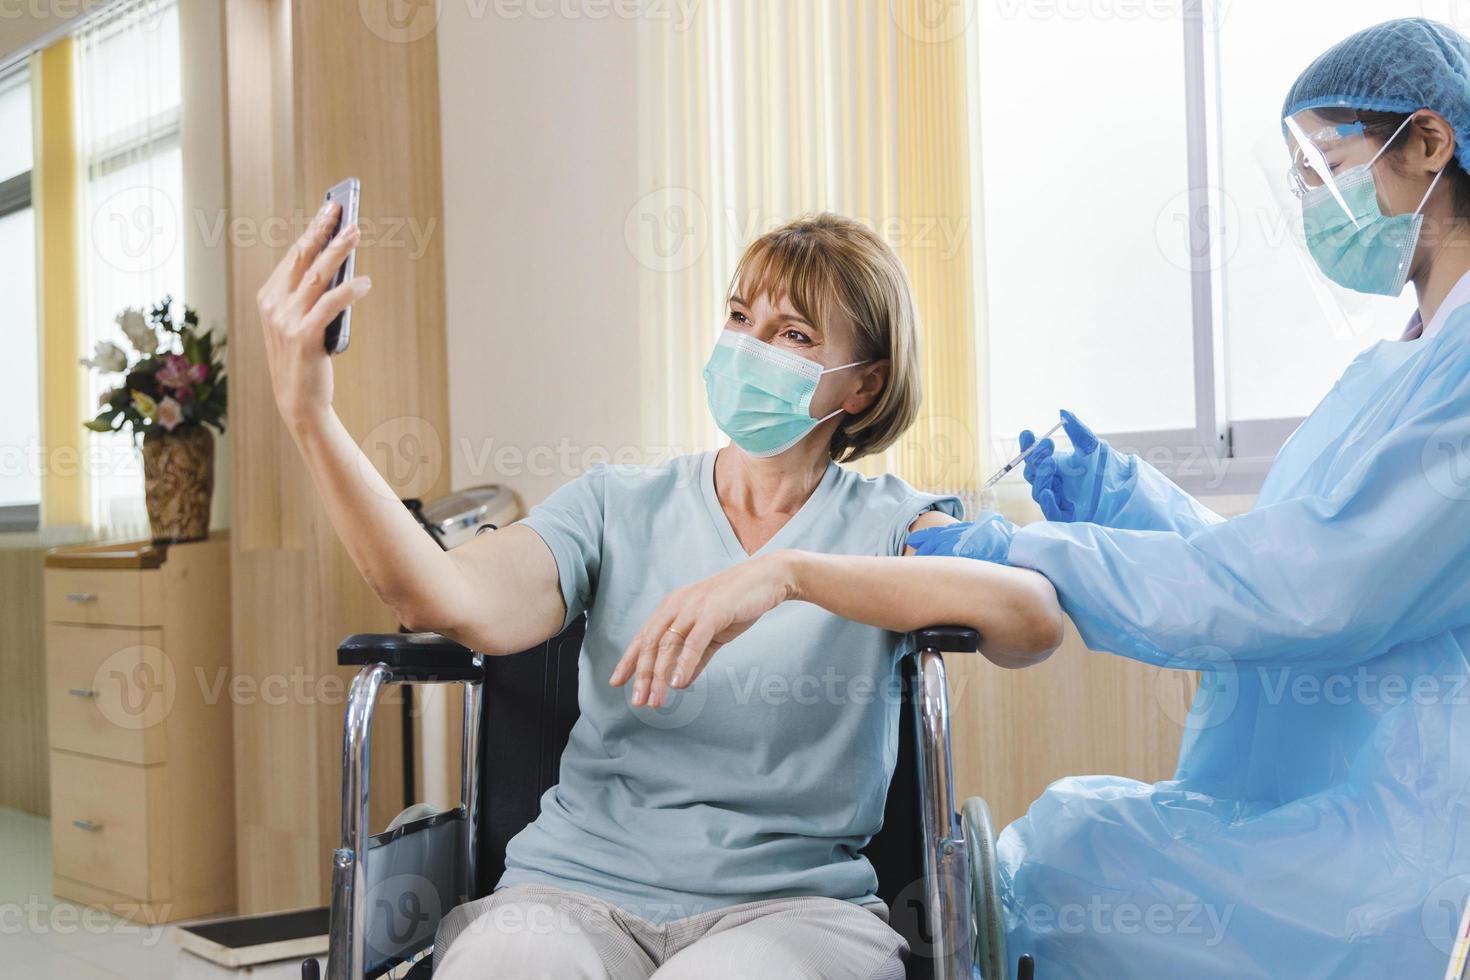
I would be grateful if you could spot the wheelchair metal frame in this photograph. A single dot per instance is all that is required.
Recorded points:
(947, 879)
(946, 861)
(346, 948)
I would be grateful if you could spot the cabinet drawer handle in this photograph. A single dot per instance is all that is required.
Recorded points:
(87, 825)
(82, 596)
(82, 692)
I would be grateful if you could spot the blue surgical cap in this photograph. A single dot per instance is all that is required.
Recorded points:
(1397, 66)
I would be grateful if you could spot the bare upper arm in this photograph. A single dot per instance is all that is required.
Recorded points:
(930, 518)
(511, 598)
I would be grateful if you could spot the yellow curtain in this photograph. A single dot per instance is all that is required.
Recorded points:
(755, 112)
(54, 193)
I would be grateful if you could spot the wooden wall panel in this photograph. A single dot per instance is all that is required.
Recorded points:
(270, 481)
(316, 95)
(24, 759)
(1014, 732)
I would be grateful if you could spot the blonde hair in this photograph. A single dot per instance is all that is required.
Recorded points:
(823, 262)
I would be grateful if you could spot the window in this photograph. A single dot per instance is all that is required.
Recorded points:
(20, 369)
(1189, 340)
(128, 111)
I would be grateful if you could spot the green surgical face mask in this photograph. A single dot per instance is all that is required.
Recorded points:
(1362, 248)
(760, 395)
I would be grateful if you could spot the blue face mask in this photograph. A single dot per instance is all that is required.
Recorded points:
(761, 395)
(1362, 248)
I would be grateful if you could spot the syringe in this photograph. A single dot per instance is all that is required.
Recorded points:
(1020, 458)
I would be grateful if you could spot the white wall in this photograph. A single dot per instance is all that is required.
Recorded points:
(540, 171)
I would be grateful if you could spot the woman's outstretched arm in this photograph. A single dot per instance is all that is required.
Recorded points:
(1014, 610)
(496, 594)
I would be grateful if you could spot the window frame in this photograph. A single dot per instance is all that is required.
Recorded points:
(16, 195)
(157, 134)
(1220, 455)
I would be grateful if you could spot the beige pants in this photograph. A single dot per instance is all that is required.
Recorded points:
(541, 932)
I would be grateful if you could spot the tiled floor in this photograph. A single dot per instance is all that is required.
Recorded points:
(42, 938)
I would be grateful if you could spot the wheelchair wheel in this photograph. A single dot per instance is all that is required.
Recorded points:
(989, 917)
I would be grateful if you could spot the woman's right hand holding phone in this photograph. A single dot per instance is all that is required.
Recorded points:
(295, 308)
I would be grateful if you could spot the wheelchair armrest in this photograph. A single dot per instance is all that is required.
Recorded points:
(413, 656)
(947, 639)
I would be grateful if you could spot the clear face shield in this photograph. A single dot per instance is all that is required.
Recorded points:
(1327, 213)
(1331, 160)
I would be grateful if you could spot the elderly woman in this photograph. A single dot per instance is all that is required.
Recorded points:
(745, 614)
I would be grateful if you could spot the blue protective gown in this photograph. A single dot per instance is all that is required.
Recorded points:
(1318, 824)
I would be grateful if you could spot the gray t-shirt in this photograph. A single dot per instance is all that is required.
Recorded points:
(765, 776)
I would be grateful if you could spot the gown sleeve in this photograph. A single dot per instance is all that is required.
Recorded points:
(1136, 496)
(1380, 557)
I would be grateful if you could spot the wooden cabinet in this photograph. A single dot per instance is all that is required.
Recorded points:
(137, 693)
(112, 597)
(107, 831)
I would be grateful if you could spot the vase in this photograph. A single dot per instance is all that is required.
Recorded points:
(178, 481)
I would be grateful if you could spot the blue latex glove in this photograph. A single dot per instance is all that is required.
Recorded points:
(1069, 486)
(987, 538)
(1096, 484)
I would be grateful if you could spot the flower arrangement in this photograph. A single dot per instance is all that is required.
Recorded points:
(177, 380)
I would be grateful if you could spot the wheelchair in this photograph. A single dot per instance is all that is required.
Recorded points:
(936, 867)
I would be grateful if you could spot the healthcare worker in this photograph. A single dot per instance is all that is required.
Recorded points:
(1318, 824)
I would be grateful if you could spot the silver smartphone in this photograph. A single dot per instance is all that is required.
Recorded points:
(348, 193)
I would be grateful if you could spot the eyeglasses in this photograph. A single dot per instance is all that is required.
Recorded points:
(1309, 167)
(1299, 182)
